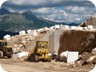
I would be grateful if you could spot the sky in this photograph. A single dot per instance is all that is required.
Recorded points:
(68, 11)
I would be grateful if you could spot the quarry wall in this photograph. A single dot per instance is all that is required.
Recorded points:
(81, 41)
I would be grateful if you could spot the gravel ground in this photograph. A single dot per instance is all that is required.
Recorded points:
(12, 65)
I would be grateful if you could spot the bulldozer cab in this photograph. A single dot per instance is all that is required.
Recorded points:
(42, 44)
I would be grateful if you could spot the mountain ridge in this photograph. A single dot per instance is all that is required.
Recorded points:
(15, 22)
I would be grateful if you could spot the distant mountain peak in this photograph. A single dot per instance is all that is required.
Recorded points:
(29, 15)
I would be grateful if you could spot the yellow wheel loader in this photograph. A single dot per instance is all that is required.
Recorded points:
(40, 52)
(5, 50)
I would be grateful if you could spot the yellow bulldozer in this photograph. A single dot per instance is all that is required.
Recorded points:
(40, 52)
(5, 50)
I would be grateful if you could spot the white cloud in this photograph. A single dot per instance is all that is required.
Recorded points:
(66, 14)
(58, 10)
(78, 9)
(42, 10)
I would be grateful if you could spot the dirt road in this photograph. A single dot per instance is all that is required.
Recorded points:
(11, 65)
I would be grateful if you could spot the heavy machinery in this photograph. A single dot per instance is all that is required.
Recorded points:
(40, 52)
(5, 50)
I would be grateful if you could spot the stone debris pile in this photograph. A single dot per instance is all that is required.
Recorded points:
(7, 37)
(26, 40)
(21, 55)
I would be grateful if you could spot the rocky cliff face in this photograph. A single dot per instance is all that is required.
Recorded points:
(82, 41)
